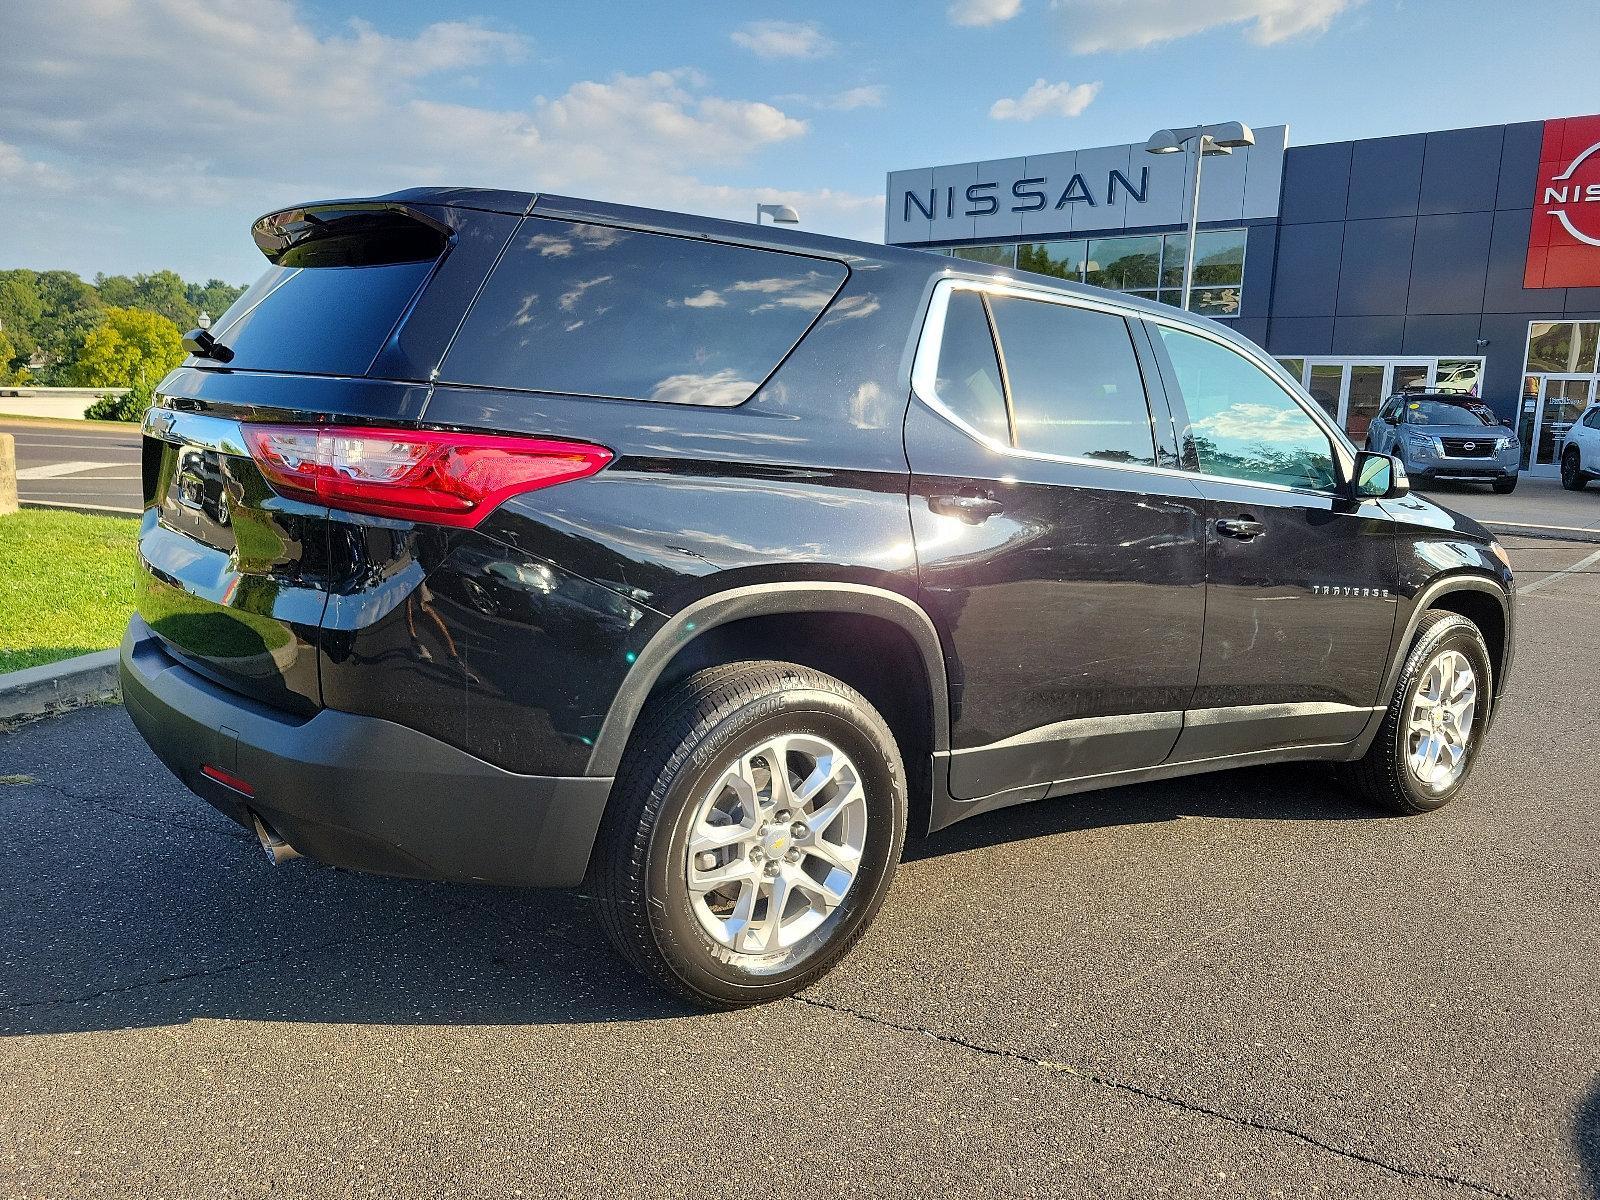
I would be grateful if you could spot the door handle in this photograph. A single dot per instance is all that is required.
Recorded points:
(1243, 529)
(974, 510)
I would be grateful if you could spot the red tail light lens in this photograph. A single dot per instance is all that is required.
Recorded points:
(413, 474)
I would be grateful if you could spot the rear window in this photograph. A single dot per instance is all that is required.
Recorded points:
(340, 281)
(1076, 388)
(600, 311)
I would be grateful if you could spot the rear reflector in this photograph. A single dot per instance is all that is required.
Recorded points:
(413, 474)
(227, 780)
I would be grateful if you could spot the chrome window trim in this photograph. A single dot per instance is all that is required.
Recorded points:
(925, 368)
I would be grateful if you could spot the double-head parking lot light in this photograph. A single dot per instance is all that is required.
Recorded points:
(1222, 138)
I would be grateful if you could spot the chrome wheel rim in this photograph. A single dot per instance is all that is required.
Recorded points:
(776, 843)
(1439, 725)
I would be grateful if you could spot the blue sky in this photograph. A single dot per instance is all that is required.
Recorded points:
(139, 134)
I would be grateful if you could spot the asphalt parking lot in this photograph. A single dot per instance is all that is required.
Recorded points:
(77, 463)
(1235, 985)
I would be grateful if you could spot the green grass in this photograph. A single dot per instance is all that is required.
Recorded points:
(66, 584)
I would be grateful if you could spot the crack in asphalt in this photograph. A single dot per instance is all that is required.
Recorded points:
(113, 810)
(1059, 1068)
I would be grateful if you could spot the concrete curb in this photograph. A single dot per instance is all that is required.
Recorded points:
(35, 691)
(1548, 533)
(92, 510)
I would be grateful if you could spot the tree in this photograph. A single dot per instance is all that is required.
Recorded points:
(130, 348)
(13, 367)
(213, 297)
(161, 292)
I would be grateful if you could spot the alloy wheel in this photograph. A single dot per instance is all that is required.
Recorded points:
(1439, 725)
(776, 843)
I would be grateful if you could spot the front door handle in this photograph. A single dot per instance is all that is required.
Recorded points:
(1242, 529)
(974, 510)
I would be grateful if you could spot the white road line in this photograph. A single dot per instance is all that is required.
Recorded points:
(56, 470)
(1539, 584)
(1531, 525)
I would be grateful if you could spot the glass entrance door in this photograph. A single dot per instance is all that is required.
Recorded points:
(1562, 399)
(1351, 390)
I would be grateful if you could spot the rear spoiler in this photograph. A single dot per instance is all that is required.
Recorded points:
(349, 233)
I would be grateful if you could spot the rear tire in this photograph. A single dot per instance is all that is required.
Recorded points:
(1504, 487)
(1573, 477)
(698, 772)
(1394, 773)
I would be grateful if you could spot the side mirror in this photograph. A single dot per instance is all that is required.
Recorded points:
(1379, 476)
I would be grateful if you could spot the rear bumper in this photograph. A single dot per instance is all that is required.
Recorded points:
(361, 792)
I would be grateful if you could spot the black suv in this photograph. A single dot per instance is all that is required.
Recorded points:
(539, 541)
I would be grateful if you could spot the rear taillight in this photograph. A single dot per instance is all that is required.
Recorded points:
(413, 474)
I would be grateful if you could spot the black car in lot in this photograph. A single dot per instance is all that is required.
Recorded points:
(539, 541)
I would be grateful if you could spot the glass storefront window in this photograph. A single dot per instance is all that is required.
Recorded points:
(1326, 381)
(1218, 258)
(999, 256)
(1588, 343)
(1552, 345)
(1295, 366)
(1064, 260)
(1124, 264)
(1459, 375)
(1147, 265)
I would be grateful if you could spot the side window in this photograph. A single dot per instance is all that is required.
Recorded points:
(601, 311)
(1391, 411)
(1244, 425)
(1592, 418)
(968, 380)
(1075, 383)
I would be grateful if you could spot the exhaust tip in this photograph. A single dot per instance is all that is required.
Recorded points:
(277, 850)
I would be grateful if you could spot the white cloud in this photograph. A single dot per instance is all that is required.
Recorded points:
(783, 39)
(868, 96)
(1095, 25)
(982, 12)
(110, 101)
(1045, 100)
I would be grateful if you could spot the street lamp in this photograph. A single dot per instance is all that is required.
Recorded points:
(1206, 139)
(203, 320)
(781, 214)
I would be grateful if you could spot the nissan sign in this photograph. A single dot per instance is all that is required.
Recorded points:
(1105, 188)
(1564, 237)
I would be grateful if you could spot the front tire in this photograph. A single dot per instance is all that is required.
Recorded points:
(1435, 723)
(752, 833)
(1573, 477)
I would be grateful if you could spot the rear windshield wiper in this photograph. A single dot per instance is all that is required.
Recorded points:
(201, 344)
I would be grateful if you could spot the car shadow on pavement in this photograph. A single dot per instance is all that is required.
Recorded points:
(153, 910)
(1287, 792)
(1586, 1142)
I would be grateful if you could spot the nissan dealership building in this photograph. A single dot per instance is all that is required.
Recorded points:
(1467, 259)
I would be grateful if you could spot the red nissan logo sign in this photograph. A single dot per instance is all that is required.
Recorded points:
(1564, 239)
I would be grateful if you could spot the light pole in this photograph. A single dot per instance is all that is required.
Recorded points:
(1206, 139)
(203, 320)
(781, 214)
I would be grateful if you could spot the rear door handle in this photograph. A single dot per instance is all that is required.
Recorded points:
(974, 510)
(1240, 528)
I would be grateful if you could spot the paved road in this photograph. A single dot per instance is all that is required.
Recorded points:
(1241, 985)
(77, 464)
(1536, 502)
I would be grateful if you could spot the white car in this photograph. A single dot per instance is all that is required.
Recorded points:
(1580, 454)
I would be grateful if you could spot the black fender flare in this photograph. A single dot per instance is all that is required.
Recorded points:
(767, 600)
(1401, 646)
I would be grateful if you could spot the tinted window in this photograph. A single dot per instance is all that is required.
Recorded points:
(1075, 382)
(600, 311)
(968, 382)
(1592, 418)
(1244, 425)
(320, 320)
